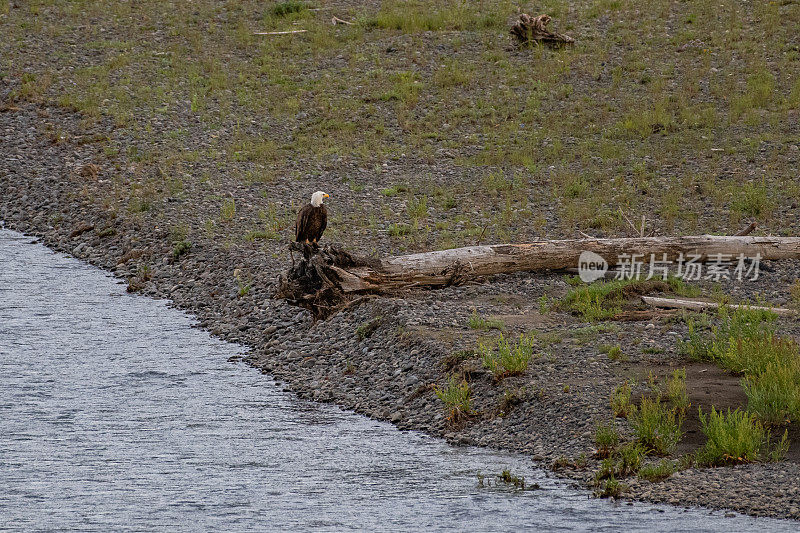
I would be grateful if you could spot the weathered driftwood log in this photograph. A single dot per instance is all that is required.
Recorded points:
(530, 30)
(324, 275)
(699, 305)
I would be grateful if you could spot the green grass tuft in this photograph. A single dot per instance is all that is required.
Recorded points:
(505, 358)
(735, 437)
(657, 427)
(657, 471)
(774, 394)
(281, 9)
(606, 439)
(456, 396)
(478, 322)
(621, 403)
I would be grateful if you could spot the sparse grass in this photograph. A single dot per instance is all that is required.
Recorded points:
(427, 15)
(510, 479)
(394, 190)
(456, 395)
(751, 200)
(453, 360)
(743, 341)
(610, 488)
(593, 302)
(478, 322)
(228, 209)
(504, 358)
(794, 292)
(366, 329)
(657, 471)
(614, 352)
(510, 400)
(282, 9)
(602, 300)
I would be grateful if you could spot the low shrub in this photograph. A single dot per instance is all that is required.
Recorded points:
(621, 400)
(456, 396)
(657, 427)
(478, 322)
(676, 389)
(507, 358)
(774, 394)
(736, 437)
(606, 438)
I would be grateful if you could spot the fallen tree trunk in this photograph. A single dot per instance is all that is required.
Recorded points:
(699, 305)
(326, 272)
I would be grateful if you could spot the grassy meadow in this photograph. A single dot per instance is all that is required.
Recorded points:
(431, 128)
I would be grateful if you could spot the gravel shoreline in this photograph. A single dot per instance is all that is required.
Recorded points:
(47, 190)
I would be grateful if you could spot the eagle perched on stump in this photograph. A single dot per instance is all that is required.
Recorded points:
(312, 220)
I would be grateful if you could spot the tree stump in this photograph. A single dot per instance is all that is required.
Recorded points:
(533, 30)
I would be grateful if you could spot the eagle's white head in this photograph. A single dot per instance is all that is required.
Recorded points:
(317, 197)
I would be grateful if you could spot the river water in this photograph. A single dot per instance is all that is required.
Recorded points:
(117, 415)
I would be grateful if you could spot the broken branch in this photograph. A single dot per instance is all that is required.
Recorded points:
(699, 305)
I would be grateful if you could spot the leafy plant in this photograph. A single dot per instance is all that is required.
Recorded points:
(621, 401)
(507, 358)
(735, 437)
(606, 438)
(610, 488)
(456, 396)
(181, 247)
(774, 394)
(676, 389)
(657, 427)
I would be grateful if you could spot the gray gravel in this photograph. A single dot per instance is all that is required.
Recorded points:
(389, 375)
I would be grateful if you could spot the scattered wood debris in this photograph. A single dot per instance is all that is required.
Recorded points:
(279, 32)
(533, 30)
(699, 305)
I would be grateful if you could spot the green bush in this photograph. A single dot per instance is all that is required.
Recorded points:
(736, 342)
(630, 459)
(507, 359)
(606, 438)
(621, 400)
(676, 389)
(456, 396)
(735, 437)
(610, 488)
(657, 427)
(774, 394)
(281, 9)
(181, 247)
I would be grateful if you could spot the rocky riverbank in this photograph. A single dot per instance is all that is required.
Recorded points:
(383, 358)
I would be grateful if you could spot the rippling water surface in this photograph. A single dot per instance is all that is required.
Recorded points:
(117, 415)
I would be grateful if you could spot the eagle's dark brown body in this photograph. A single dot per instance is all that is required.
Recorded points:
(311, 222)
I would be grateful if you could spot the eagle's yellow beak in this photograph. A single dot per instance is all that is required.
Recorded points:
(326, 195)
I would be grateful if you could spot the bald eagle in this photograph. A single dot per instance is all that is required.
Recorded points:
(312, 220)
